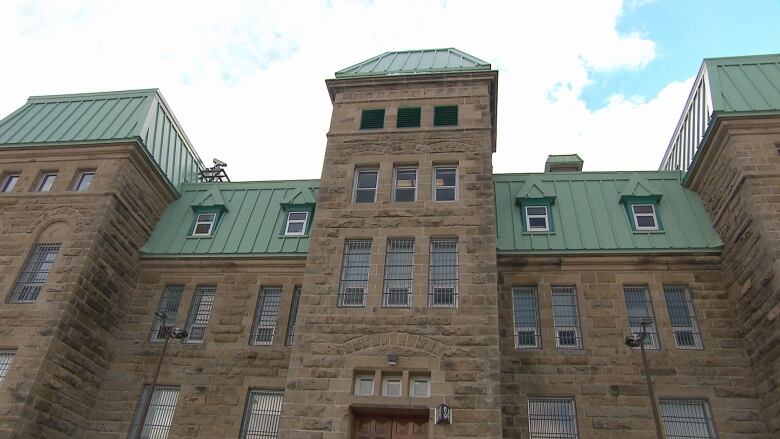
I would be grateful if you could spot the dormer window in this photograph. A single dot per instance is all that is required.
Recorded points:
(537, 218)
(204, 224)
(296, 223)
(644, 217)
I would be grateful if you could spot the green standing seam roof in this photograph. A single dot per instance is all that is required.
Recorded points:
(250, 224)
(589, 217)
(413, 62)
(744, 83)
(133, 115)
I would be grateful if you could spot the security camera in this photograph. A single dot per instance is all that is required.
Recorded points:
(219, 162)
(632, 342)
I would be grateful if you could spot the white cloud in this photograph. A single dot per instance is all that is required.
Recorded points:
(245, 78)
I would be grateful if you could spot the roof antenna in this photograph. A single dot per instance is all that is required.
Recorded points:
(215, 174)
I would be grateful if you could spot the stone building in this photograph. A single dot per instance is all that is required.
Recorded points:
(410, 292)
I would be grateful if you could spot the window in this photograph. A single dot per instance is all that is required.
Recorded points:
(204, 224)
(9, 182)
(683, 317)
(200, 312)
(365, 185)
(6, 358)
(160, 413)
(46, 182)
(552, 418)
(445, 183)
(566, 318)
(296, 299)
(354, 272)
(399, 272)
(687, 418)
(391, 385)
(408, 117)
(405, 185)
(443, 278)
(644, 217)
(296, 223)
(640, 309)
(445, 115)
(364, 385)
(372, 119)
(169, 304)
(265, 316)
(526, 311)
(419, 386)
(34, 273)
(537, 218)
(84, 180)
(261, 417)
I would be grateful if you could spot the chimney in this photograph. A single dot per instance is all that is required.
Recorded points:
(563, 163)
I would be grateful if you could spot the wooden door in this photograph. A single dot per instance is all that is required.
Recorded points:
(384, 427)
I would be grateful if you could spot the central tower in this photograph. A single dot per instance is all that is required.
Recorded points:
(398, 311)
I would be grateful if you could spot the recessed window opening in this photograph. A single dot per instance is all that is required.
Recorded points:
(169, 304)
(391, 385)
(687, 418)
(296, 223)
(262, 413)
(566, 318)
(644, 217)
(34, 273)
(84, 181)
(443, 277)
(399, 273)
(687, 334)
(354, 273)
(199, 315)
(9, 183)
(537, 218)
(6, 358)
(372, 119)
(420, 386)
(552, 418)
(365, 185)
(445, 115)
(296, 299)
(640, 309)
(526, 315)
(364, 385)
(159, 415)
(408, 117)
(405, 185)
(445, 183)
(46, 182)
(204, 224)
(265, 316)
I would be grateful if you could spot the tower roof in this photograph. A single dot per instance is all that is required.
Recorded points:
(414, 62)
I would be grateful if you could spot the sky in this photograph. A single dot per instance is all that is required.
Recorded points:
(604, 79)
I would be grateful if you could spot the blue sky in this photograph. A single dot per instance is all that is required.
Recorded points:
(685, 32)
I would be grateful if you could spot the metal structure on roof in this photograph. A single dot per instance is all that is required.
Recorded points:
(588, 215)
(724, 87)
(101, 118)
(558, 162)
(414, 62)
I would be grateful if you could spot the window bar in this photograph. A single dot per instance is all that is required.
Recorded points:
(443, 278)
(261, 417)
(640, 308)
(354, 273)
(687, 419)
(34, 274)
(169, 304)
(200, 312)
(160, 414)
(552, 418)
(399, 273)
(566, 318)
(296, 298)
(6, 358)
(526, 313)
(265, 316)
(687, 334)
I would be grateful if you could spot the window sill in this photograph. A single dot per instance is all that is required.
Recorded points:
(525, 232)
(200, 237)
(649, 232)
(306, 235)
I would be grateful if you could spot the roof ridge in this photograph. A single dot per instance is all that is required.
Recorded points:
(140, 91)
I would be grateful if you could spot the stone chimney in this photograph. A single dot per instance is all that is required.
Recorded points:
(563, 163)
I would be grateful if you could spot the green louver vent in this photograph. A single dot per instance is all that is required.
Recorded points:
(408, 117)
(372, 119)
(445, 116)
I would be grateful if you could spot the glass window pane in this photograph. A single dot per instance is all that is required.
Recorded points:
(10, 183)
(537, 223)
(445, 194)
(536, 210)
(365, 196)
(366, 179)
(295, 228)
(645, 221)
(445, 176)
(298, 216)
(84, 181)
(642, 208)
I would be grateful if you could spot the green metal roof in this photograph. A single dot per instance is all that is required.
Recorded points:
(251, 221)
(744, 83)
(133, 115)
(412, 62)
(588, 216)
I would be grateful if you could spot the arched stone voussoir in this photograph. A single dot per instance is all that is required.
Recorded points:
(403, 340)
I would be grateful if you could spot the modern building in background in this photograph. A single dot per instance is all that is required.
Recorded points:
(408, 293)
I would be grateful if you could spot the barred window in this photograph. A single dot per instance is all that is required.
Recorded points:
(169, 304)
(443, 279)
(296, 299)
(160, 413)
(566, 318)
(399, 273)
(687, 418)
(354, 272)
(687, 334)
(200, 312)
(6, 358)
(261, 417)
(552, 418)
(34, 273)
(526, 310)
(265, 316)
(640, 309)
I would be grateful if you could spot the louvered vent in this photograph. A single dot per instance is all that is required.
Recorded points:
(408, 117)
(372, 119)
(445, 116)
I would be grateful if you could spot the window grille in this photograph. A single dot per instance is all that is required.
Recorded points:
(265, 316)
(6, 358)
(261, 417)
(640, 308)
(34, 273)
(46, 182)
(443, 278)
(200, 312)
(84, 181)
(399, 273)
(169, 304)
(9, 183)
(365, 185)
(160, 414)
(445, 183)
(445, 115)
(687, 334)
(526, 311)
(296, 223)
(687, 419)
(372, 119)
(566, 318)
(354, 272)
(296, 299)
(644, 217)
(408, 117)
(552, 418)
(405, 185)
(204, 224)
(537, 219)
